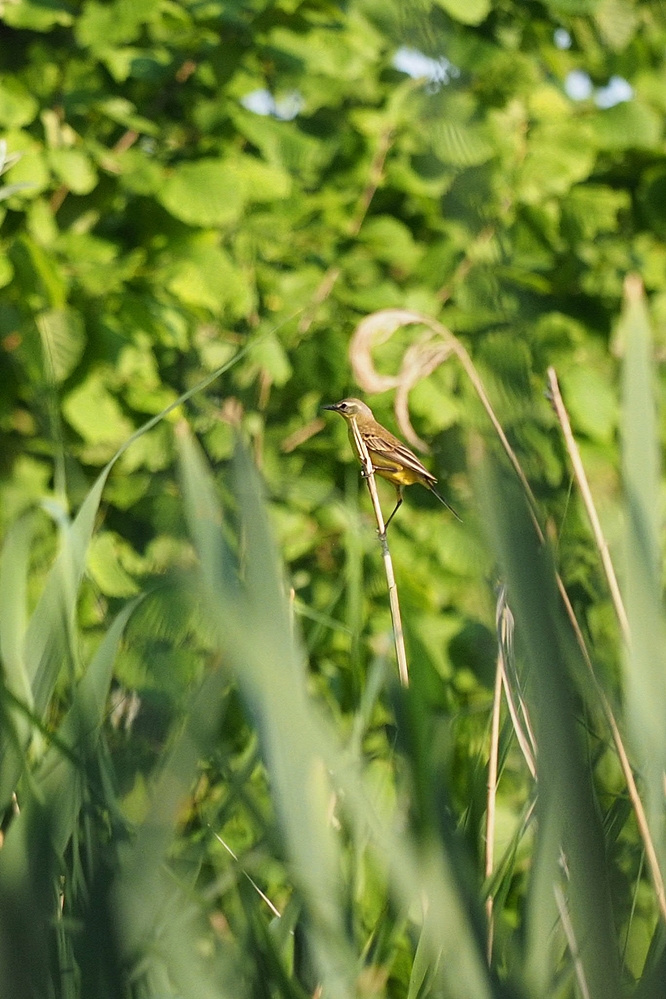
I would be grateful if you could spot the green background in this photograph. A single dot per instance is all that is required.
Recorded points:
(160, 230)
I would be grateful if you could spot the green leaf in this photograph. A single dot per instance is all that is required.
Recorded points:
(6, 270)
(106, 569)
(569, 822)
(270, 355)
(32, 169)
(574, 7)
(206, 193)
(559, 154)
(466, 11)
(284, 145)
(617, 21)
(74, 168)
(139, 173)
(391, 241)
(35, 16)
(60, 778)
(95, 414)
(103, 25)
(652, 195)
(591, 402)
(122, 111)
(592, 208)
(206, 277)
(262, 182)
(630, 125)
(14, 564)
(461, 145)
(63, 341)
(18, 107)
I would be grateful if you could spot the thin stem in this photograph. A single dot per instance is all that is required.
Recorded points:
(493, 763)
(627, 771)
(571, 941)
(586, 493)
(369, 472)
(504, 624)
(467, 363)
(581, 478)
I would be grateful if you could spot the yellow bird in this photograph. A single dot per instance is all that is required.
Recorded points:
(391, 459)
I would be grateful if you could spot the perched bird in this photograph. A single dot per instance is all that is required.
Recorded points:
(391, 459)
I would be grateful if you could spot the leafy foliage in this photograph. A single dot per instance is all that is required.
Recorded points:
(202, 201)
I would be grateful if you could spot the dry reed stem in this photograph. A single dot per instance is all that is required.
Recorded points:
(369, 473)
(627, 771)
(586, 493)
(262, 895)
(581, 478)
(504, 625)
(493, 762)
(567, 926)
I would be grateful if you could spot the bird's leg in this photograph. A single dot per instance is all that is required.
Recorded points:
(397, 507)
(375, 468)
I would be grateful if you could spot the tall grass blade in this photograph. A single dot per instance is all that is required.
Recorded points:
(254, 631)
(158, 924)
(60, 777)
(15, 729)
(645, 661)
(300, 749)
(567, 818)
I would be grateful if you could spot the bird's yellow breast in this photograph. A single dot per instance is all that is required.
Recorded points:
(392, 471)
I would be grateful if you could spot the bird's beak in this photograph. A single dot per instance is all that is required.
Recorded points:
(334, 407)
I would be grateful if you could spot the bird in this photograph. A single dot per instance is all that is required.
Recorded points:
(391, 459)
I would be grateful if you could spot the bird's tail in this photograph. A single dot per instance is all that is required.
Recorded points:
(442, 500)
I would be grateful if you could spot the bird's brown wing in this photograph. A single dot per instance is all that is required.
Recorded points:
(395, 452)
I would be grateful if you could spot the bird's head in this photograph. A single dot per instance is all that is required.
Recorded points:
(351, 408)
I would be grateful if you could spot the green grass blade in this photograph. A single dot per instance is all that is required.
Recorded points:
(60, 778)
(15, 732)
(567, 816)
(299, 748)
(157, 923)
(255, 632)
(49, 635)
(645, 661)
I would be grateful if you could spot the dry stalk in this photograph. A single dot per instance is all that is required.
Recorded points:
(581, 479)
(586, 493)
(369, 474)
(574, 950)
(493, 762)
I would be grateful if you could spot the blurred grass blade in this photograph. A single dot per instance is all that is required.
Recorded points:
(422, 967)
(158, 925)
(646, 656)
(49, 635)
(254, 630)
(14, 563)
(299, 748)
(60, 778)
(568, 819)
(49, 639)
(27, 893)
(15, 729)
